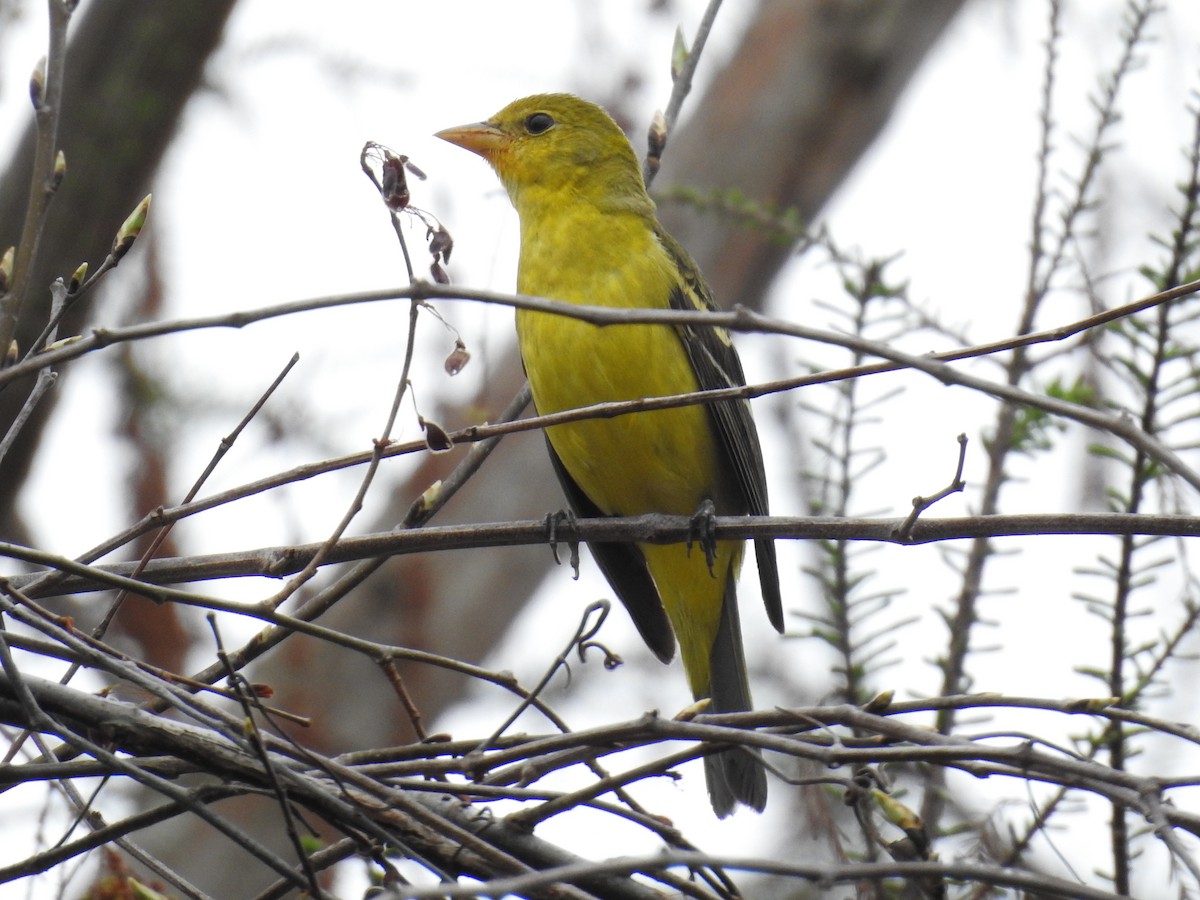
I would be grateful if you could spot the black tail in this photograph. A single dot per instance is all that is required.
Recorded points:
(736, 775)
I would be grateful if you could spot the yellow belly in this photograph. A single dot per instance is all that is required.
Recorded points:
(662, 461)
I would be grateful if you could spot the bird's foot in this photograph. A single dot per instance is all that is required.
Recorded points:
(554, 521)
(703, 532)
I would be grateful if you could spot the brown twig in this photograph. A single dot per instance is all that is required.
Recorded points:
(920, 504)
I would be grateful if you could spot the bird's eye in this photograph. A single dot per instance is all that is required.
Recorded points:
(538, 123)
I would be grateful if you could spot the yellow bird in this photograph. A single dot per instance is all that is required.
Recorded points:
(589, 235)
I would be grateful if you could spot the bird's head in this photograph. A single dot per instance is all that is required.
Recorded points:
(557, 148)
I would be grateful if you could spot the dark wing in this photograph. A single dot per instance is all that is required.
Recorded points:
(625, 568)
(716, 364)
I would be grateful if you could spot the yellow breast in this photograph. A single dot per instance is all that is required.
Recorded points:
(661, 461)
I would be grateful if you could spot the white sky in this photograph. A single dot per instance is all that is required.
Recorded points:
(262, 201)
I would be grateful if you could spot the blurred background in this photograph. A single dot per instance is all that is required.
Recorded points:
(851, 166)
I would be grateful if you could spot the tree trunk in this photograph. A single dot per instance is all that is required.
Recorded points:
(131, 67)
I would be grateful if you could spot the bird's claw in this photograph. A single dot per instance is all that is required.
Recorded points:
(703, 532)
(553, 522)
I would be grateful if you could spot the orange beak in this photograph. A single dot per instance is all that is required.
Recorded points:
(486, 140)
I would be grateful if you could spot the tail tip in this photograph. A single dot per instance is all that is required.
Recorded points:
(735, 776)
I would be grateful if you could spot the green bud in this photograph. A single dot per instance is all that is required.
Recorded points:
(430, 496)
(6, 267)
(64, 342)
(60, 169)
(141, 891)
(895, 811)
(37, 83)
(679, 54)
(131, 228)
(77, 278)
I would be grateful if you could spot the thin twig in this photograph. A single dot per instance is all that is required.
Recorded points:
(45, 381)
(254, 737)
(733, 320)
(583, 633)
(823, 874)
(47, 87)
(920, 504)
(368, 478)
(662, 128)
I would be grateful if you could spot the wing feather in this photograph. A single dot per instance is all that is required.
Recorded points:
(716, 364)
